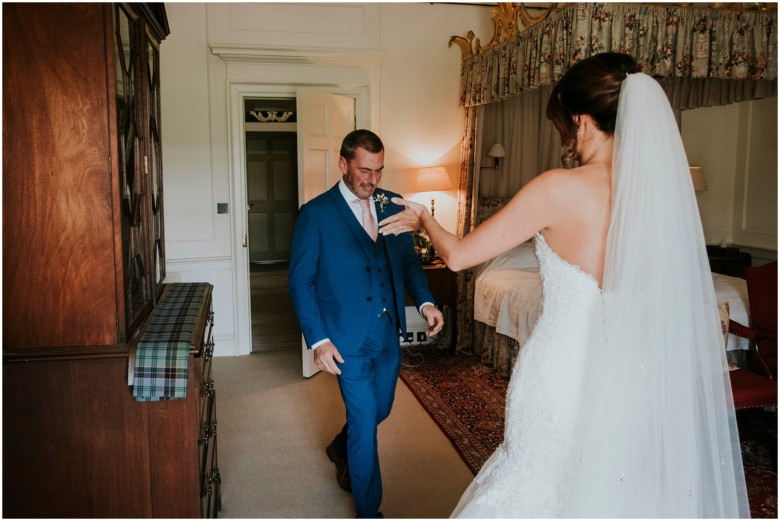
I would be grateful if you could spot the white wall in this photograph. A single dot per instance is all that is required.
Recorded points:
(715, 152)
(736, 145)
(394, 55)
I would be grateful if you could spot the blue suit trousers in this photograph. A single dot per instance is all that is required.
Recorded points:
(367, 381)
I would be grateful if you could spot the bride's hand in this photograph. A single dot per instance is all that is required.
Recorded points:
(406, 221)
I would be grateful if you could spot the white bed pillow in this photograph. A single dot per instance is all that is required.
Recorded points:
(520, 257)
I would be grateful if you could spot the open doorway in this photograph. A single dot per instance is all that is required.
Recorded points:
(270, 136)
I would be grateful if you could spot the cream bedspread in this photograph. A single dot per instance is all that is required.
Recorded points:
(508, 296)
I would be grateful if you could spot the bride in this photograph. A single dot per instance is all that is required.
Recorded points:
(619, 404)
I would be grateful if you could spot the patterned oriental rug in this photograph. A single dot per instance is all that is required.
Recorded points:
(466, 399)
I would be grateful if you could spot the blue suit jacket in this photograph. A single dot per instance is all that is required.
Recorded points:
(330, 275)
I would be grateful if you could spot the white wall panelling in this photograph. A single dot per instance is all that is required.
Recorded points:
(737, 147)
(755, 187)
(393, 58)
(219, 273)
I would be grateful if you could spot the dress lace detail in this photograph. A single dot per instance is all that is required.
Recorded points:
(531, 473)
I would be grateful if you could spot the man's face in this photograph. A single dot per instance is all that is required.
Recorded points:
(363, 172)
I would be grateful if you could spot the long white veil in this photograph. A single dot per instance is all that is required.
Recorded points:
(660, 436)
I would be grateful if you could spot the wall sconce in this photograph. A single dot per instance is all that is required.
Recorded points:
(432, 179)
(496, 152)
(697, 177)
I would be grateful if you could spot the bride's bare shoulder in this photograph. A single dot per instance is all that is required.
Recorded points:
(560, 179)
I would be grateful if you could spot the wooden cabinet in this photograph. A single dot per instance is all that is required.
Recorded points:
(84, 272)
(83, 255)
(77, 444)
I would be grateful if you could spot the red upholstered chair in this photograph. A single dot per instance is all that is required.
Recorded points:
(762, 301)
(758, 387)
(751, 390)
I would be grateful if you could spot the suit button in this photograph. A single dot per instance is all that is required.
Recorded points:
(369, 299)
(368, 269)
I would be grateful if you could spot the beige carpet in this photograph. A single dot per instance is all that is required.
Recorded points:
(274, 425)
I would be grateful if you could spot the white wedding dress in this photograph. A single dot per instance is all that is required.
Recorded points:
(620, 402)
(531, 472)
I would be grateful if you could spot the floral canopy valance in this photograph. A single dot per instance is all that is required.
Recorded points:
(667, 41)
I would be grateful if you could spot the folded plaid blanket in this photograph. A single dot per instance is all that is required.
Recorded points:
(163, 349)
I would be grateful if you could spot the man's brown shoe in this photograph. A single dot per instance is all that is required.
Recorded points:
(342, 468)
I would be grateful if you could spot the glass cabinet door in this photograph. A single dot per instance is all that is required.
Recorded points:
(154, 161)
(130, 165)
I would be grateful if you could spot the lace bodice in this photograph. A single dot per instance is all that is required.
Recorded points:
(567, 289)
(529, 474)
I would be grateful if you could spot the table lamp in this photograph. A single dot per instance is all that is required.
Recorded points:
(432, 179)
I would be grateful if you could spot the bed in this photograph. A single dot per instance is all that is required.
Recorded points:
(508, 302)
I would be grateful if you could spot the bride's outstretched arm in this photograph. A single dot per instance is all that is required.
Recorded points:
(530, 210)
(415, 217)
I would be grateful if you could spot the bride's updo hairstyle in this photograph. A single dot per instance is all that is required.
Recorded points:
(591, 86)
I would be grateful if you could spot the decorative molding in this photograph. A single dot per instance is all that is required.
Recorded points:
(299, 55)
(266, 116)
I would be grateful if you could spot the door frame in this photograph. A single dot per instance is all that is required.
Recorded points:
(238, 92)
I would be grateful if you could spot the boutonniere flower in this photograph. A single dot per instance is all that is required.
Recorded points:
(381, 199)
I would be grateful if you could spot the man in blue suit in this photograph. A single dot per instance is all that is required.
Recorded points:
(347, 285)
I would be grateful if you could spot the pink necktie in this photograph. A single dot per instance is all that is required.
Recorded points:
(369, 223)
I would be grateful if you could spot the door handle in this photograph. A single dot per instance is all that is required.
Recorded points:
(243, 239)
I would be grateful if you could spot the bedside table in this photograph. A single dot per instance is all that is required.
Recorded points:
(728, 260)
(443, 284)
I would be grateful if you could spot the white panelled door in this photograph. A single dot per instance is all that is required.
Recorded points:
(323, 121)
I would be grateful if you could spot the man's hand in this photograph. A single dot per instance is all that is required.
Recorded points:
(326, 356)
(435, 319)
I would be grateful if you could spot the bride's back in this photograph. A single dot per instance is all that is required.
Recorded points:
(578, 233)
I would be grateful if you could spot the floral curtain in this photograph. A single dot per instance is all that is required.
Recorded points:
(668, 42)
(467, 198)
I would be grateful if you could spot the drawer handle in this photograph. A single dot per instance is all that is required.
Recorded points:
(214, 479)
(208, 351)
(207, 389)
(207, 430)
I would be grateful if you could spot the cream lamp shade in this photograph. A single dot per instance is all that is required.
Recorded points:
(432, 179)
(496, 152)
(697, 177)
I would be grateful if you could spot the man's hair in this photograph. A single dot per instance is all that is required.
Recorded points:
(591, 86)
(361, 138)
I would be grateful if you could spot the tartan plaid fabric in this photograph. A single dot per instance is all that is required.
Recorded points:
(163, 349)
